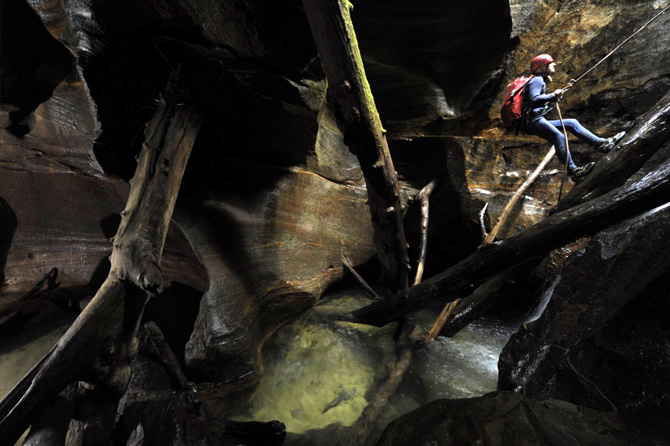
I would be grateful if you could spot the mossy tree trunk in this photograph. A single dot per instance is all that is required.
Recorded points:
(101, 343)
(349, 91)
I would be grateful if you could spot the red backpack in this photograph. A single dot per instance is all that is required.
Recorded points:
(512, 106)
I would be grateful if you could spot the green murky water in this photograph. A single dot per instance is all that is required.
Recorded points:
(19, 354)
(319, 374)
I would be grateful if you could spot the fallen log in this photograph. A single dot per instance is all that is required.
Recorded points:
(627, 158)
(541, 238)
(484, 298)
(98, 347)
(455, 307)
(610, 172)
(407, 340)
(356, 112)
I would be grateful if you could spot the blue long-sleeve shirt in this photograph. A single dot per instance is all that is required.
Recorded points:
(539, 103)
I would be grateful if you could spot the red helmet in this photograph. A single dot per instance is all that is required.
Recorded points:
(540, 61)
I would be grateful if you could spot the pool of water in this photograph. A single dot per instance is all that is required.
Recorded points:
(19, 354)
(320, 374)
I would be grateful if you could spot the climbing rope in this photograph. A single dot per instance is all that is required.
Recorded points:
(567, 153)
(574, 81)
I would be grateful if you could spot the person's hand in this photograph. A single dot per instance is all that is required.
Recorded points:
(559, 93)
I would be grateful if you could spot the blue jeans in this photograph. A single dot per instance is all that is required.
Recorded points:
(553, 132)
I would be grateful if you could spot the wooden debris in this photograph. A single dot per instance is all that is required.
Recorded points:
(356, 112)
(555, 231)
(98, 347)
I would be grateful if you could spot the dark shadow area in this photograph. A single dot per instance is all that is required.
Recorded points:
(110, 224)
(437, 58)
(175, 312)
(8, 226)
(33, 64)
(127, 70)
(451, 235)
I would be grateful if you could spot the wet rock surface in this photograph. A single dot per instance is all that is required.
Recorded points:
(594, 343)
(156, 412)
(502, 419)
(273, 199)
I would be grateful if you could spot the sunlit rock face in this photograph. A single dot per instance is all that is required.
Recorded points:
(609, 99)
(269, 255)
(602, 341)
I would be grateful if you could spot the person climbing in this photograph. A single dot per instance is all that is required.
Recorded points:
(537, 104)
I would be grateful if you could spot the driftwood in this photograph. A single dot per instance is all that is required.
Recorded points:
(358, 277)
(512, 202)
(357, 115)
(98, 347)
(442, 319)
(423, 198)
(555, 231)
(155, 337)
(409, 335)
(481, 293)
(484, 298)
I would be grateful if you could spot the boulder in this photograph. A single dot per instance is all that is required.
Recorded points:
(504, 419)
(600, 341)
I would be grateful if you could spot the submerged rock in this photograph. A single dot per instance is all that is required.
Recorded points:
(504, 419)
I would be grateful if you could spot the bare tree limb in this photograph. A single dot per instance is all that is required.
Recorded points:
(512, 202)
(362, 281)
(102, 341)
(555, 231)
(349, 91)
(409, 335)
(482, 224)
(423, 198)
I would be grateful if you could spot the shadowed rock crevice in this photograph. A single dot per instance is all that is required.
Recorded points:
(33, 64)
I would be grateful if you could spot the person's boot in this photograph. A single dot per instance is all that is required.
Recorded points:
(577, 173)
(609, 143)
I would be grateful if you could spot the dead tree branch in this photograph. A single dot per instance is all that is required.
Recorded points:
(409, 335)
(423, 198)
(98, 347)
(357, 115)
(491, 259)
(512, 202)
